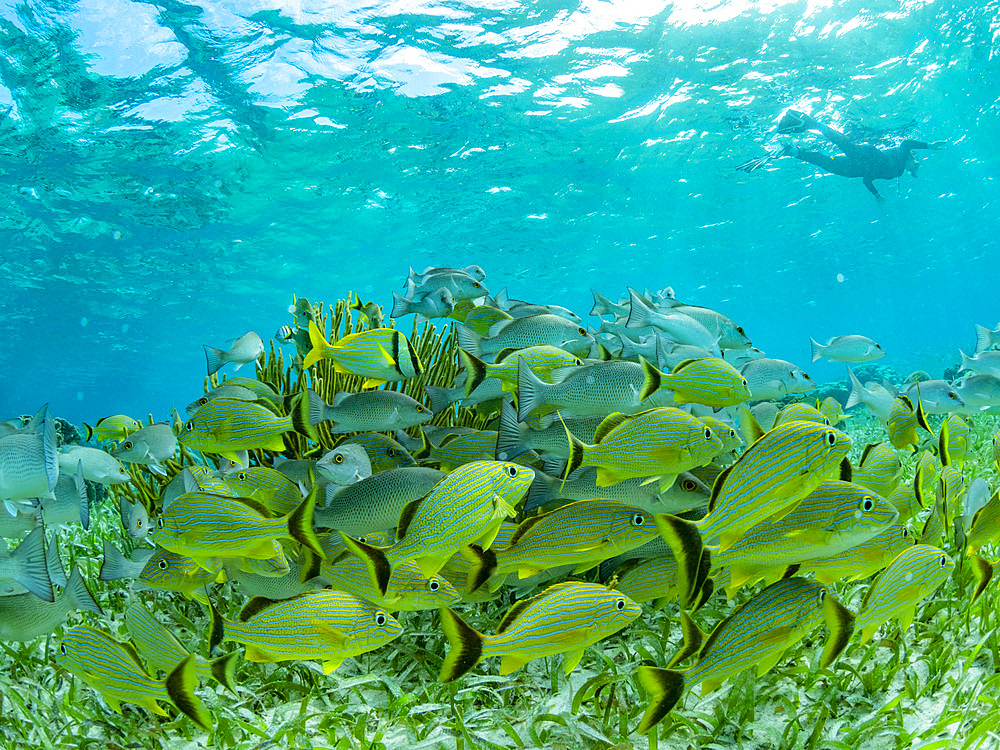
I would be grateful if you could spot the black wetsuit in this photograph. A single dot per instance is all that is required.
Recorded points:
(860, 159)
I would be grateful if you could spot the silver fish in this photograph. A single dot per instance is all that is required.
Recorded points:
(436, 304)
(149, 446)
(245, 349)
(849, 348)
(771, 379)
(368, 411)
(25, 617)
(28, 463)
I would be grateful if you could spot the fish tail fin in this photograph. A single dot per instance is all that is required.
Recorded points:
(50, 446)
(510, 434)
(652, 379)
(966, 361)
(639, 311)
(530, 390)
(320, 346)
(466, 646)
(300, 524)
(31, 565)
(79, 595)
(114, 566)
(213, 358)
(817, 348)
(475, 370)
(314, 407)
(224, 670)
(685, 542)
(411, 287)
(693, 640)
(983, 571)
(400, 305)
(299, 411)
(856, 389)
(88, 432)
(180, 685)
(984, 338)
(840, 623)
(665, 687)
(82, 496)
(217, 628)
(541, 492)
(374, 559)
(602, 305)
(943, 453)
(469, 340)
(439, 397)
(484, 565)
(576, 451)
(57, 573)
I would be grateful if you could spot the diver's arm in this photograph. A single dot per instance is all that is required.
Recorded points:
(871, 189)
(935, 146)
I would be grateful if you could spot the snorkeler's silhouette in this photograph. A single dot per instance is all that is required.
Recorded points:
(858, 160)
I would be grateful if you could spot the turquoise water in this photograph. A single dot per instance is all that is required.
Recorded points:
(171, 173)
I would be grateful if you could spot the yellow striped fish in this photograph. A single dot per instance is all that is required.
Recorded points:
(541, 360)
(801, 411)
(169, 571)
(480, 318)
(861, 560)
(953, 441)
(904, 420)
(655, 580)
(832, 410)
(879, 469)
(583, 534)
(757, 634)
(766, 483)
(379, 355)
(326, 625)
(658, 443)
(985, 526)
(408, 590)
(163, 651)
(269, 487)
(831, 519)
(115, 670)
(114, 427)
(466, 507)
(913, 576)
(711, 381)
(564, 619)
(951, 489)
(730, 438)
(228, 425)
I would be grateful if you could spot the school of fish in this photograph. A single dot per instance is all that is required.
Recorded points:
(654, 459)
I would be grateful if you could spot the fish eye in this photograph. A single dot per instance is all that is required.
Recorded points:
(732, 432)
(740, 331)
(241, 476)
(62, 648)
(744, 381)
(638, 519)
(138, 523)
(202, 400)
(159, 522)
(951, 394)
(476, 285)
(390, 452)
(162, 564)
(826, 421)
(689, 485)
(822, 596)
(380, 618)
(620, 604)
(944, 561)
(582, 331)
(906, 533)
(868, 503)
(512, 471)
(127, 445)
(708, 434)
(831, 438)
(433, 585)
(338, 458)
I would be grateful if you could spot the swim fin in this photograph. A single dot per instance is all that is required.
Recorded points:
(752, 164)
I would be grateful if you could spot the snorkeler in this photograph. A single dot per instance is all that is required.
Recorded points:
(858, 160)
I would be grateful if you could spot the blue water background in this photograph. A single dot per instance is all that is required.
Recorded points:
(171, 173)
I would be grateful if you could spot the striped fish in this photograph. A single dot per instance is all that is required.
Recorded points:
(766, 483)
(455, 450)
(115, 670)
(479, 318)
(756, 634)
(731, 439)
(582, 534)
(269, 487)
(985, 526)
(543, 361)
(950, 491)
(803, 412)
(223, 391)
(374, 503)
(860, 561)
(228, 425)
(457, 569)
(466, 507)
(204, 526)
(163, 651)
(114, 427)
(515, 438)
(596, 388)
(652, 580)
(879, 469)
(384, 453)
(24, 617)
(379, 355)
(953, 441)
(829, 520)
(564, 619)
(995, 441)
(832, 410)
(325, 625)
(710, 380)
(408, 589)
(169, 571)
(915, 574)
(904, 420)
(658, 443)
(259, 388)
(520, 333)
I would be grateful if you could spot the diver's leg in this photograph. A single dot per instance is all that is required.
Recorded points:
(834, 164)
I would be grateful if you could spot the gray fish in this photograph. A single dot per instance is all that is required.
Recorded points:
(474, 271)
(876, 398)
(731, 336)
(344, 465)
(680, 327)
(517, 438)
(984, 363)
(115, 566)
(986, 339)
(849, 348)
(24, 520)
(520, 333)
(223, 391)
(686, 493)
(27, 567)
(436, 304)
(245, 349)
(70, 503)
(149, 446)
(368, 411)
(461, 284)
(28, 463)
(98, 466)
(604, 306)
(978, 392)
(442, 398)
(936, 396)
(599, 388)
(25, 617)
(273, 587)
(374, 504)
(384, 453)
(771, 379)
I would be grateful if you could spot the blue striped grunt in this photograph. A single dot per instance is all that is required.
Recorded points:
(223, 391)
(730, 438)
(767, 481)
(653, 579)
(379, 355)
(163, 651)
(227, 425)
(832, 410)
(829, 520)
(114, 427)
(269, 487)
(384, 453)
(862, 560)
(24, 617)
(658, 443)
(582, 533)
(879, 469)
(326, 625)
(985, 526)
(904, 420)
(543, 361)
(457, 569)
(801, 411)
(756, 634)
(478, 318)
(115, 670)
(205, 527)
(711, 381)
(374, 503)
(259, 388)
(169, 571)
(408, 589)
(466, 507)
(564, 619)
(915, 574)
